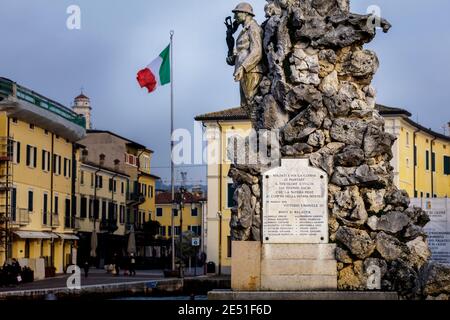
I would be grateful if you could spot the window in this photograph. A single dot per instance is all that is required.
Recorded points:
(96, 208)
(159, 212)
(415, 155)
(194, 212)
(83, 207)
(30, 201)
(122, 214)
(433, 162)
(45, 161)
(14, 120)
(144, 189)
(428, 195)
(229, 247)
(99, 182)
(130, 159)
(177, 230)
(66, 168)
(103, 210)
(110, 184)
(122, 187)
(407, 139)
(31, 126)
(446, 165)
(230, 201)
(415, 194)
(31, 156)
(175, 212)
(162, 231)
(56, 205)
(146, 163)
(16, 152)
(150, 192)
(46, 132)
(196, 229)
(407, 162)
(57, 164)
(82, 177)
(427, 160)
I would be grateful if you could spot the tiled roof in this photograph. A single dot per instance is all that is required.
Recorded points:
(228, 114)
(166, 198)
(81, 96)
(239, 113)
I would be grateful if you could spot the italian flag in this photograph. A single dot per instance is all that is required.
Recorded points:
(157, 73)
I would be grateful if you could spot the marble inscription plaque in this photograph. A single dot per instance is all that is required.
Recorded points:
(295, 208)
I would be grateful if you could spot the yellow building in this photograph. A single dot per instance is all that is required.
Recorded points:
(190, 218)
(101, 202)
(421, 156)
(37, 174)
(133, 161)
(429, 177)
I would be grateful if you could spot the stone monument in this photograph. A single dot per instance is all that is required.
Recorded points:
(329, 216)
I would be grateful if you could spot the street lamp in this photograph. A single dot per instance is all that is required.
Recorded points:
(181, 205)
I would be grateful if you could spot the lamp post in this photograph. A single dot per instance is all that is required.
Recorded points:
(182, 192)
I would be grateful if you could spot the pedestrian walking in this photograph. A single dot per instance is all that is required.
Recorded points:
(86, 268)
(132, 265)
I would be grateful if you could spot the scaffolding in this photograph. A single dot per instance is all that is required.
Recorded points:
(6, 173)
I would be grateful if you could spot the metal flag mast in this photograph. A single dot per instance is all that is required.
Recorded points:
(172, 177)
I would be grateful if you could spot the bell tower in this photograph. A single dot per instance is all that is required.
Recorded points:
(82, 106)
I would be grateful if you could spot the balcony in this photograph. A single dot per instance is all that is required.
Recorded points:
(137, 226)
(108, 225)
(19, 217)
(50, 220)
(72, 223)
(135, 198)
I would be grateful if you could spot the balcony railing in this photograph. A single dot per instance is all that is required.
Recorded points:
(50, 220)
(19, 217)
(108, 225)
(46, 219)
(73, 223)
(55, 220)
(137, 198)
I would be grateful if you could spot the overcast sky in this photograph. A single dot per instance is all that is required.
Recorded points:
(117, 38)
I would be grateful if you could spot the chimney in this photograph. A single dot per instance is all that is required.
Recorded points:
(116, 164)
(102, 160)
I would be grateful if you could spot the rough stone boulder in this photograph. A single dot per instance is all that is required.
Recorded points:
(435, 279)
(357, 241)
(392, 222)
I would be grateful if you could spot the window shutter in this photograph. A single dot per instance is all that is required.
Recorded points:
(28, 155)
(35, 158)
(18, 152)
(44, 156)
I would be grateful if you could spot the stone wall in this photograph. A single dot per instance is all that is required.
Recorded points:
(318, 94)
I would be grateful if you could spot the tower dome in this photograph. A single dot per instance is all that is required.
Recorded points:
(82, 106)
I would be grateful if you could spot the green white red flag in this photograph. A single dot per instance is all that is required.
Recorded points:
(157, 73)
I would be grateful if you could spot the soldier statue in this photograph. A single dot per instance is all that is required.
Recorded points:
(248, 54)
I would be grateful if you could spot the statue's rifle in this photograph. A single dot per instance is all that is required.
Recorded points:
(231, 30)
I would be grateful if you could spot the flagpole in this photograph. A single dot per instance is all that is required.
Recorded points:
(172, 177)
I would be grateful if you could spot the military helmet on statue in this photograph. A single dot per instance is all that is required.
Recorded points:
(244, 7)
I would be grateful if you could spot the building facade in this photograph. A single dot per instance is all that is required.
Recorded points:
(38, 167)
(421, 164)
(188, 217)
(122, 165)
